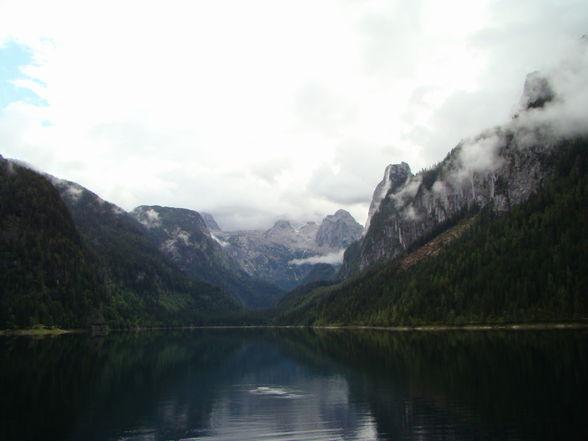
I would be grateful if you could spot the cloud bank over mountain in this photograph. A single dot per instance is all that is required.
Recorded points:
(256, 111)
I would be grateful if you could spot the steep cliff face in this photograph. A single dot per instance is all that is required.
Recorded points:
(395, 176)
(499, 168)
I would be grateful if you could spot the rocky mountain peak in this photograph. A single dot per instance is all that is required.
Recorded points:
(281, 232)
(338, 230)
(282, 224)
(536, 92)
(395, 176)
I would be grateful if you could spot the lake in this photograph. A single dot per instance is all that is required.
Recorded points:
(296, 384)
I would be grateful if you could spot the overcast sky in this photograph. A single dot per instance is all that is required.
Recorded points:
(262, 109)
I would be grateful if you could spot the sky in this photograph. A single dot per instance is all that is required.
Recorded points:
(261, 110)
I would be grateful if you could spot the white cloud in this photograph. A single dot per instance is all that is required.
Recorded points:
(290, 108)
(334, 258)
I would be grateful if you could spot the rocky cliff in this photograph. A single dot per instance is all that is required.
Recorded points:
(498, 169)
(285, 255)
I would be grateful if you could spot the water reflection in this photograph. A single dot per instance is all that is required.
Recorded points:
(283, 399)
(296, 385)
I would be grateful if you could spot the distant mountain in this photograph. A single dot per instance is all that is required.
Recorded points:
(338, 231)
(285, 255)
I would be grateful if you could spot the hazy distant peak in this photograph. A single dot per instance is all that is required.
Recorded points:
(537, 92)
(282, 224)
(338, 230)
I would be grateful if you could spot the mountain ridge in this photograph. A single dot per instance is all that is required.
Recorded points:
(285, 255)
(501, 168)
(183, 235)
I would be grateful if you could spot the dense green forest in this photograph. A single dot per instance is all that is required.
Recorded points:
(145, 288)
(529, 264)
(46, 274)
(90, 266)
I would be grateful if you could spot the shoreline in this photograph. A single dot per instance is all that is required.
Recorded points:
(420, 328)
(40, 332)
(497, 327)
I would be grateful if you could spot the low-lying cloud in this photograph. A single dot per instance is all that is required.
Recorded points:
(334, 258)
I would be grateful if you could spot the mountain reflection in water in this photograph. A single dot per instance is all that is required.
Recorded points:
(288, 384)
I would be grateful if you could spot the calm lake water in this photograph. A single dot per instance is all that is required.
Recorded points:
(295, 385)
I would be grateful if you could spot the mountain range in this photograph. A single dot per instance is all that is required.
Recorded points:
(495, 232)
(284, 255)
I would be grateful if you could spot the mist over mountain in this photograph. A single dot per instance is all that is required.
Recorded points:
(285, 255)
(495, 232)
(511, 199)
(501, 168)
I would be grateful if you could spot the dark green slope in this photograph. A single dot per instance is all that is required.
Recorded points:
(145, 287)
(46, 273)
(73, 260)
(320, 271)
(530, 264)
(183, 236)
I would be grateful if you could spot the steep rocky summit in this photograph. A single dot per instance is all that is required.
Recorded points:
(499, 168)
(338, 231)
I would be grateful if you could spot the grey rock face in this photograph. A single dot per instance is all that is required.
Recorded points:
(395, 176)
(279, 254)
(266, 259)
(500, 168)
(338, 231)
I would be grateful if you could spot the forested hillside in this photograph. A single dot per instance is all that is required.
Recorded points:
(527, 264)
(93, 266)
(141, 278)
(46, 273)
